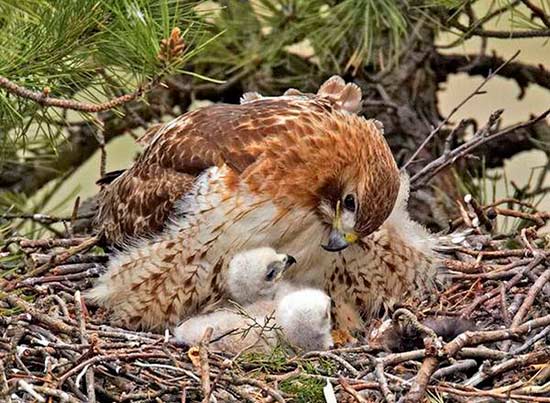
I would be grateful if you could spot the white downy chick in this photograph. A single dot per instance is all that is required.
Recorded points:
(253, 279)
(254, 283)
(304, 317)
(254, 275)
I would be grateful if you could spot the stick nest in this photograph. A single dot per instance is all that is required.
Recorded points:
(55, 348)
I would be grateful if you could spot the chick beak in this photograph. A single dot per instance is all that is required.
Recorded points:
(290, 260)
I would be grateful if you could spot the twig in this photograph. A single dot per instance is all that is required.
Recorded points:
(333, 357)
(90, 381)
(431, 361)
(481, 137)
(62, 396)
(204, 366)
(48, 243)
(477, 64)
(397, 358)
(4, 387)
(454, 368)
(58, 259)
(482, 352)
(537, 218)
(501, 396)
(105, 358)
(418, 389)
(352, 392)
(27, 387)
(56, 324)
(381, 377)
(255, 382)
(503, 307)
(531, 341)
(479, 212)
(531, 295)
(537, 11)
(475, 92)
(520, 360)
(39, 218)
(472, 338)
(542, 33)
(509, 284)
(86, 274)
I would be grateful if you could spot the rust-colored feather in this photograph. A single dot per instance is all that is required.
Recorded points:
(140, 200)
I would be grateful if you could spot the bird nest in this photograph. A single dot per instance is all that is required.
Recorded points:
(55, 348)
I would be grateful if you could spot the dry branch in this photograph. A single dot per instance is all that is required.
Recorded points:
(482, 136)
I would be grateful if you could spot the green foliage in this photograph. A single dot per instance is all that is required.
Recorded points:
(86, 50)
(340, 34)
(303, 389)
(272, 362)
(309, 389)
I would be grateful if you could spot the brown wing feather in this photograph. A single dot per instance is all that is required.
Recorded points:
(140, 200)
(221, 133)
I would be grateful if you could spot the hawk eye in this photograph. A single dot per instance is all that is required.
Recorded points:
(349, 203)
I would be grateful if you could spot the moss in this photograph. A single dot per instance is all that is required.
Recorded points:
(303, 390)
(272, 362)
(320, 366)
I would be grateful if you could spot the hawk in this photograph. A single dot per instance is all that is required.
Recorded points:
(300, 173)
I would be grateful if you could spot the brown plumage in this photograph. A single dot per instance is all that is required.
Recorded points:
(246, 138)
(294, 173)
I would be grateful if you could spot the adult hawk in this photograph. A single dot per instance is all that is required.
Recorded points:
(301, 173)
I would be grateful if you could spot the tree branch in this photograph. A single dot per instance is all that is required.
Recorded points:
(517, 141)
(501, 34)
(522, 74)
(482, 136)
(44, 99)
(81, 143)
(476, 91)
(537, 12)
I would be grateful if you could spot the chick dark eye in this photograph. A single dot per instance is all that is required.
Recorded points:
(270, 274)
(349, 203)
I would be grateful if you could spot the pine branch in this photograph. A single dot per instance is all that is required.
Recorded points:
(537, 12)
(82, 144)
(44, 99)
(171, 51)
(539, 33)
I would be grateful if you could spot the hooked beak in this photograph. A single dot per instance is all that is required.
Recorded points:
(290, 260)
(276, 269)
(338, 239)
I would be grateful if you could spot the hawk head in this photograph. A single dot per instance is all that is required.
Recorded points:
(331, 162)
(360, 188)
